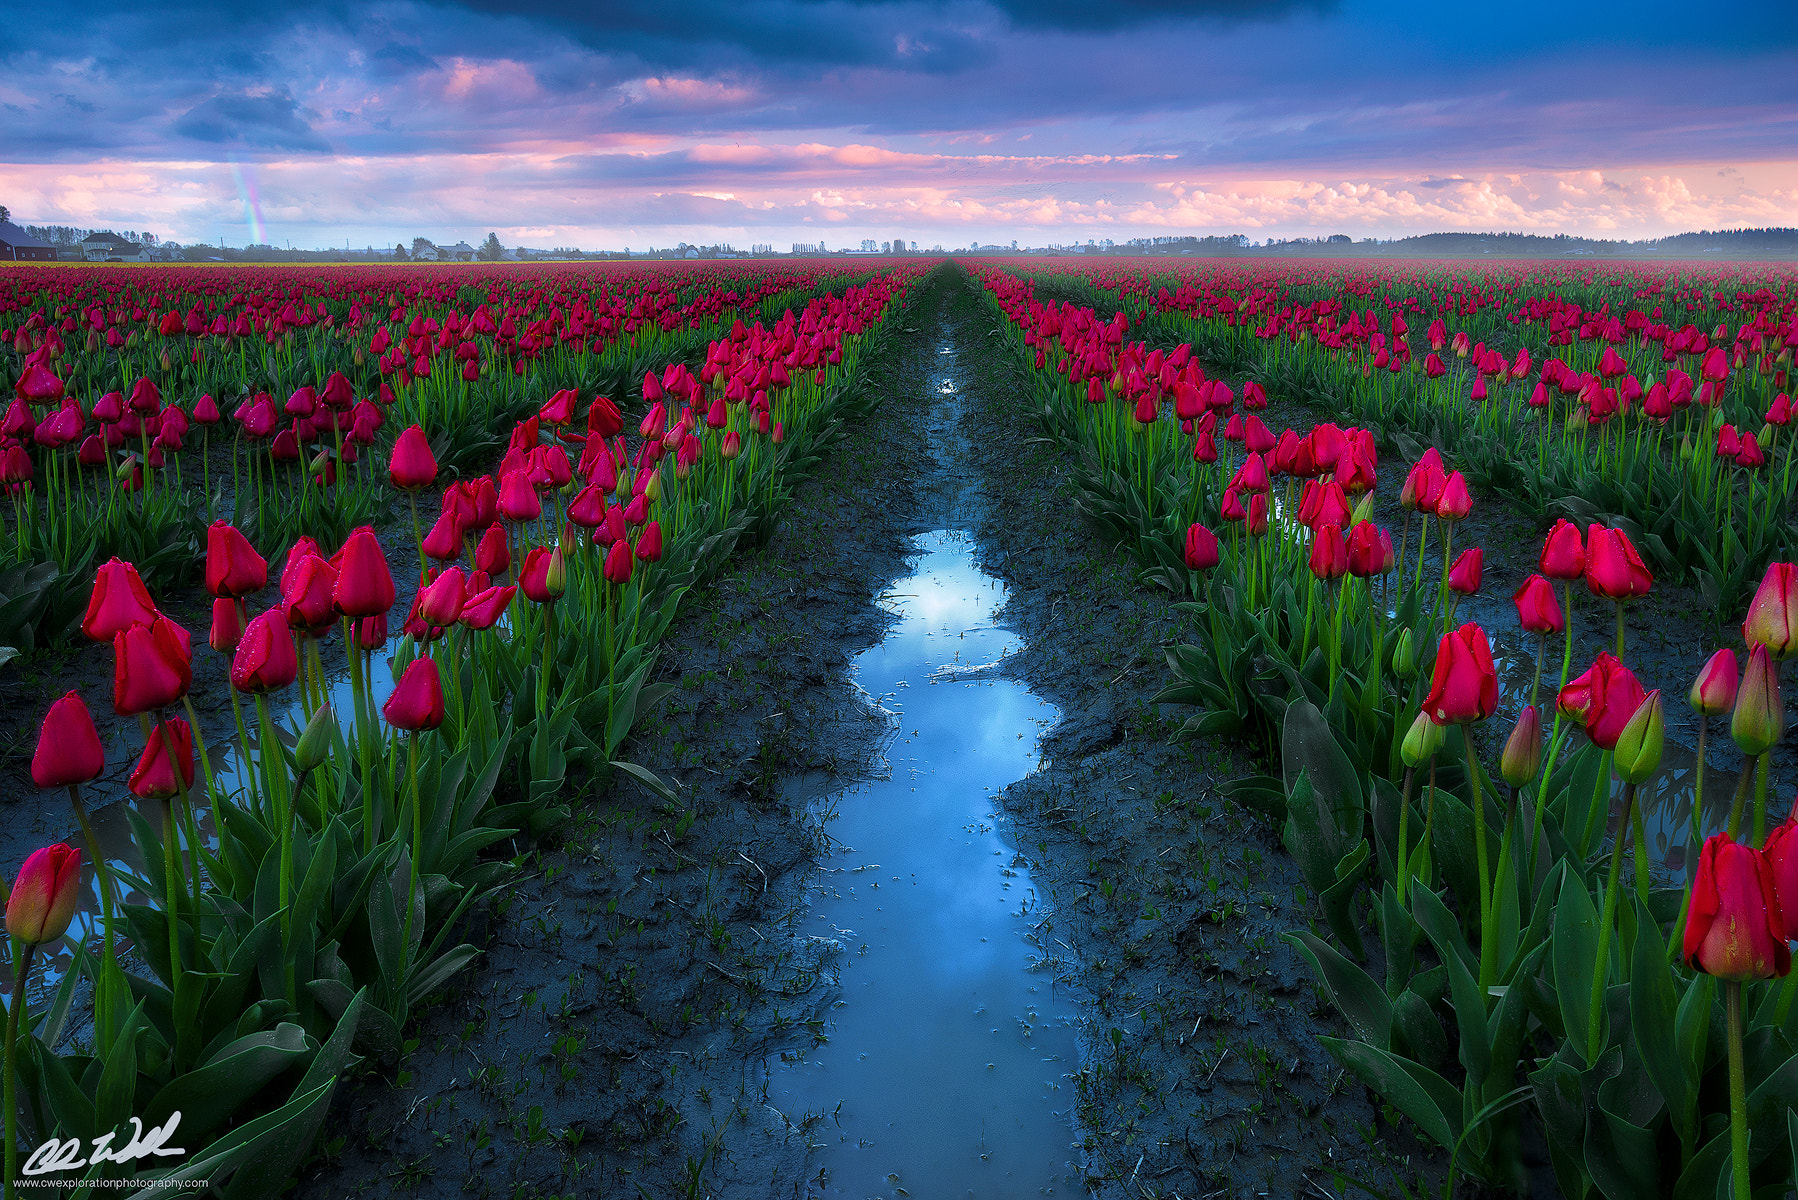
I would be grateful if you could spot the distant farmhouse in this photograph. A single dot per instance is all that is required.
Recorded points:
(110, 247)
(18, 246)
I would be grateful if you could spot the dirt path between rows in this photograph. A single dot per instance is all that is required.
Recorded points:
(615, 1039)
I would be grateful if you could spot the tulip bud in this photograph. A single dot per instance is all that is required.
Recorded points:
(1759, 718)
(417, 700)
(1714, 691)
(1772, 619)
(42, 901)
(314, 746)
(1422, 742)
(1404, 655)
(68, 746)
(1523, 751)
(1465, 575)
(1732, 931)
(1638, 751)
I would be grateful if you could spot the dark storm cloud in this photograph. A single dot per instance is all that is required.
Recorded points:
(266, 121)
(1126, 14)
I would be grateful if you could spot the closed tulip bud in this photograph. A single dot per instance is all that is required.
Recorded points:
(1638, 750)
(156, 777)
(1422, 741)
(227, 626)
(1456, 501)
(1538, 609)
(440, 602)
(266, 658)
(1714, 691)
(307, 592)
(417, 701)
(1404, 655)
(1759, 719)
(152, 667)
(412, 465)
(119, 601)
(1201, 548)
(68, 746)
(649, 543)
(1523, 750)
(733, 445)
(233, 568)
(1781, 853)
(1329, 554)
(364, 585)
(43, 897)
(1464, 687)
(1772, 619)
(443, 543)
(1563, 552)
(619, 561)
(1464, 576)
(533, 579)
(1734, 929)
(313, 749)
(484, 609)
(370, 633)
(1614, 570)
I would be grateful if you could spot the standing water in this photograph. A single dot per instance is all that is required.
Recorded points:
(946, 1069)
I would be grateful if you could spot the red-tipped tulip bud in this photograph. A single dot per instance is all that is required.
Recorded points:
(1614, 570)
(155, 776)
(1714, 691)
(1464, 687)
(266, 658)
(1329, 553)
(1734, 929)
(444, 541)
(484, 609)
(370, 633)
(43, 897)
(1638, 750)
(1760, 718)
(1523, 751)
(1781, 853)
(68, 746)
(1772, 619)
(649, 543)
(152, 667)
(1538, 609)
(1456, 501)
(417, 700)
(227, 626)
(440, 602)
(619, 560)
(533, 580)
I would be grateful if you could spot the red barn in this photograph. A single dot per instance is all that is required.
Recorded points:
(18, 246)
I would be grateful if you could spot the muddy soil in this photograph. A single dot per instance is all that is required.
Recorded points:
(642, 982)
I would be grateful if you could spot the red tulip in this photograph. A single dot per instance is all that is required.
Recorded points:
(1735, 929)
(412, 465)
(1602, 699)
(43, 897)
(492, 554)
(440, 602)
(417, 700)
(1464, 686)
(559, 408)
(118, 602)
(1329, 555)
(297, 555)
(68, 746)
(1772, 619)
(154, 776)
(649, 543)
(619, 561)
(1563, 553)
(444, 541)
(307, 596)
(233, 568)
(535, 579)
(152, 667)
(1538, 609)
(266, 659)
(484, 609)
(1613, 568)
(364, 586)
(1465, 575)
(227, 626)
(1714, 691)
(1781, 853)
(1456, 501)
(1201, 548)
(370, 633)
(518, 499)
(603, 418)
(1369, 550)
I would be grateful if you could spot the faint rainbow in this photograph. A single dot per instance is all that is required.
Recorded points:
(252, 202)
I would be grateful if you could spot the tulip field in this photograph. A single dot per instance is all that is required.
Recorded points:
(484, 495)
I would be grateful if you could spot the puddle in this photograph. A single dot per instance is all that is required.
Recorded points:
(946, 1069)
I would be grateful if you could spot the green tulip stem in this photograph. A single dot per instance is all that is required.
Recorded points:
(1735, 808)
(1694, 840)
(1310, 606)
(22, 954)
(108, 898)
(1601, 963)
(1738, 1098)
(1536, 680)
(418, 536)
(1488, 948)
(417, 836)
(1619, 629)
(1404, 822)
(1448, 545)
(1555, 739)
(1760, 797)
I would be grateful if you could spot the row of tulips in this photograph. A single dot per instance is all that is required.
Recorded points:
(296, 910)
(297, 386)
(1646, 1029)
(1595, 410)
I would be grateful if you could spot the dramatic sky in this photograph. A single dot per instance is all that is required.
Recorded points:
(649, 122)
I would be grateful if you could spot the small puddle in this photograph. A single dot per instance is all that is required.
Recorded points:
(946, 1069)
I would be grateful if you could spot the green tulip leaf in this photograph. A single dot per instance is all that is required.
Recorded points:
(1415, 1090)
(1575, 948)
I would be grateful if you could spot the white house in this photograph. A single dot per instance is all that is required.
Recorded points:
(110, 247)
